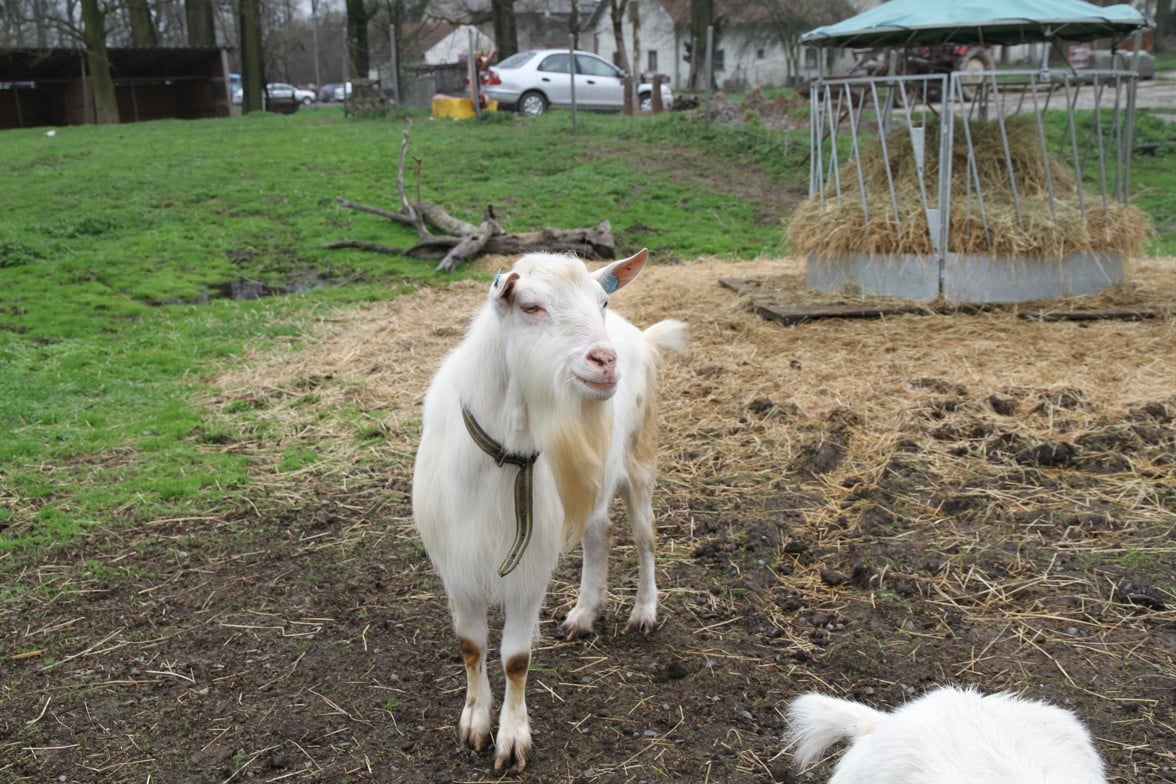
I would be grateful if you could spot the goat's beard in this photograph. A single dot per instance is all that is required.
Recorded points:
(577, 446)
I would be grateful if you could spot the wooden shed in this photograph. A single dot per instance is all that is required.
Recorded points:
(53, 86)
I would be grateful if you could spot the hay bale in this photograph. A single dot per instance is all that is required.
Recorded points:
(1044, 228)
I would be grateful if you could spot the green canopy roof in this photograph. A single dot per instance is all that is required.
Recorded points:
(916, 22)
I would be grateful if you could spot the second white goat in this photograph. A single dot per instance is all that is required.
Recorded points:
(947, 736)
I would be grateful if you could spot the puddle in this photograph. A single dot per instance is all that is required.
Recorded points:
(242, 290)
(245, 289)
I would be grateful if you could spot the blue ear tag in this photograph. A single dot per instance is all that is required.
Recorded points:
(610, 282)
(497, 275)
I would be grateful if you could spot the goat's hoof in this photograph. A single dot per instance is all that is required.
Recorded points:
(508, 751)
(474, 731)
(575, 632)
(578, 624)
(643, 624)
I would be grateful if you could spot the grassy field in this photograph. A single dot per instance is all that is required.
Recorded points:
(117, 245)
(208, 568)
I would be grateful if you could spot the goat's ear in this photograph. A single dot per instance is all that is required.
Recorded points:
(620, 273)
(503, 288)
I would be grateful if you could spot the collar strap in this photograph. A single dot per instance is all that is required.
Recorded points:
(524, 505)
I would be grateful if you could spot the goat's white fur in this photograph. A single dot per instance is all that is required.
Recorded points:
(947, 736)
(545, 368)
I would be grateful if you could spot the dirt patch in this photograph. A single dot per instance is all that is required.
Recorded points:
(863, 508)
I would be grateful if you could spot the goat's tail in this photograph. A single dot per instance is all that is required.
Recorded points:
(816, 722)
(667, 335)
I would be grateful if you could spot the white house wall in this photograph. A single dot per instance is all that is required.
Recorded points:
(455, 47)
(747, 63)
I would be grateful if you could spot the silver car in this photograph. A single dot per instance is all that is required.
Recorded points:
(532, 81)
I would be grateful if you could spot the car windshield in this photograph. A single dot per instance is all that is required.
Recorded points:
(516, 60)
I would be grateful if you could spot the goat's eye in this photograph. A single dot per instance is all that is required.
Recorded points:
(531, 309)
(605, 305)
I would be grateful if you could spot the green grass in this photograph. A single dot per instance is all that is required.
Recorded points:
(114, 239)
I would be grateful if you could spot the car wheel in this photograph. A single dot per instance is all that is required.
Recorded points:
(645, 102)
(532, 104)
(307, 101)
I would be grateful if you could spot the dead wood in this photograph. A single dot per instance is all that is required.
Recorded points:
(458, 241)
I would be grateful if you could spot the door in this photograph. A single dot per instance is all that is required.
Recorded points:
(555, 79)
(599, 84)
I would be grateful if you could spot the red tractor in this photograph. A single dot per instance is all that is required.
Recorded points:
(971, 61)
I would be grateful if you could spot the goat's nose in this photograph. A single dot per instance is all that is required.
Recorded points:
(603, 358)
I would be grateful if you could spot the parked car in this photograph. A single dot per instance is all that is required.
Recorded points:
(337, 92)
(304, 97)
(327, 91)
(532, 81)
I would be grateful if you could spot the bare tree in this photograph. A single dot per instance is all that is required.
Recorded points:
(102, 83)
(359, 56)
(252, 56)
(784, 21)
(702, 16)
(201, 23)
(616, 10)
(506, 33)
(143, 32)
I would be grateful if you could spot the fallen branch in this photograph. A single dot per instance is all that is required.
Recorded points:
(458, 241)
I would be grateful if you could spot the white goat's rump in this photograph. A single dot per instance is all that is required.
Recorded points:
(947, 736)
(545, 369)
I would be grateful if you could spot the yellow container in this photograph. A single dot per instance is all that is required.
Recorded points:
(458, 108)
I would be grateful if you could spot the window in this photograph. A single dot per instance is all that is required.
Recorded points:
(560, 63)
(759, 54)
(590, 66)
(719, 62)
(651, 61)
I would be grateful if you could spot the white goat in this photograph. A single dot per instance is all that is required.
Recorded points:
(947, 736)
(544, 410)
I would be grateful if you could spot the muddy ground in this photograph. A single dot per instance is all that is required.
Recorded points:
(862, 508)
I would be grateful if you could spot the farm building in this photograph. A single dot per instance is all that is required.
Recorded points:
(54, 87)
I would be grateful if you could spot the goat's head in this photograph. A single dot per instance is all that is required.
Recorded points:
(551, 310)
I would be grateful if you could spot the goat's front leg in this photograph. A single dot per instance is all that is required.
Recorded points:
(469, 623)
(639, 500)
(593, 576)
(514, 727)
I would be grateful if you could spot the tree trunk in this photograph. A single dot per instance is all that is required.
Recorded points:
(1163, 11)
(201, 23)
(357, 39)
(98, 64)
(702, 15)
(506, 33)
(142, 27)
(617, 14)
(252, 57)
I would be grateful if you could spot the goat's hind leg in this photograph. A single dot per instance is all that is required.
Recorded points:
(595, 545)
(469, 623)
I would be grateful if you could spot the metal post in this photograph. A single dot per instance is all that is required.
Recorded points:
(572, 76)
(472, 70)
(395, 68)
(709, 72)
(314, 22)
